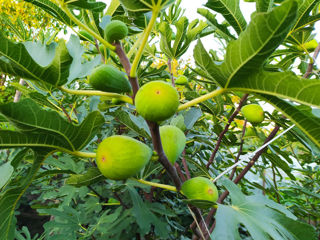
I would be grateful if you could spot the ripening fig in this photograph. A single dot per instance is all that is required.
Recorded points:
(200, 188)
(173, 142)
(115, 31)
(157, 101)
(109, 79)
(120, 157)
(309, 46)
(85, 36)
(181, 80)
(253, 113)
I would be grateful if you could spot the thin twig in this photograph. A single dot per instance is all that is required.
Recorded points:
(66, 113)
(313, 60)
(235, 113)
(98, 48)
(240, 149)
(185, 165)
(116, 195)
(170, 70)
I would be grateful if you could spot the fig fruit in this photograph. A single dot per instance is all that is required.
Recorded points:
(253, 113)
(157, 101)
(85, 36)
(200, 188)
(120, 157)
(115, 31)
(109, 79)
(310, 46)
(173, 141)
(181, 80)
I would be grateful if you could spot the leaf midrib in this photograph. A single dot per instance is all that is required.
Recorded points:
(256, 53)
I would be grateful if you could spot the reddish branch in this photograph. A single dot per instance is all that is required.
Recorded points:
(241, 175)
(127, 67)
(310, 66)
(240, 149)
(235, 113)
(185, 166)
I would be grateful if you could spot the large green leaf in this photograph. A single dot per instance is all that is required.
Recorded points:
(85, 4)
(35, 123)
(305, 7)
(230, 9)
(53, 9)
(281, 84)
(211, 18)
(309, 124)
(10, 197)
(263, 35)
(264, 5)
(263, 218)
(93, 175)
(145, 5)
(36, 62)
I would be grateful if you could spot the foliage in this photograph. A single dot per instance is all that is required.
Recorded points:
(48, 138)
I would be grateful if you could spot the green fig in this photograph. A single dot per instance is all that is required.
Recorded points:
(181, 80)
(157, 101)
(85, 36)
(253, 113)
(173, 142)
(115, 31)
(310, 46)
(200, 188)
(109, 79)
(120, 157)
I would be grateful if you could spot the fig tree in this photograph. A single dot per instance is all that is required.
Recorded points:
(120, 157)
(109, 79)
(200, 188)
(173, 141)
(115, 31)
(253, 113)
(157, 101)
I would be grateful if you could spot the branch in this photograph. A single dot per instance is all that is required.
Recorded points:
(136, 60)
(185, 166)
(123, 98)
(240, 149)
(242, 174)
(310, 66)
(235, 113)
(127, 67)
(156, 140)
(201, 99)
(170, 70)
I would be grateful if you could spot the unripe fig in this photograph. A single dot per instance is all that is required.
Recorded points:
(250, 132)
(310, 46)
(157, 101)
(173, 142)
(200, 188)
(181, 80)
(85, 36)
(109, 79)
(253, 113)
(115, 31)
(120, 157)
